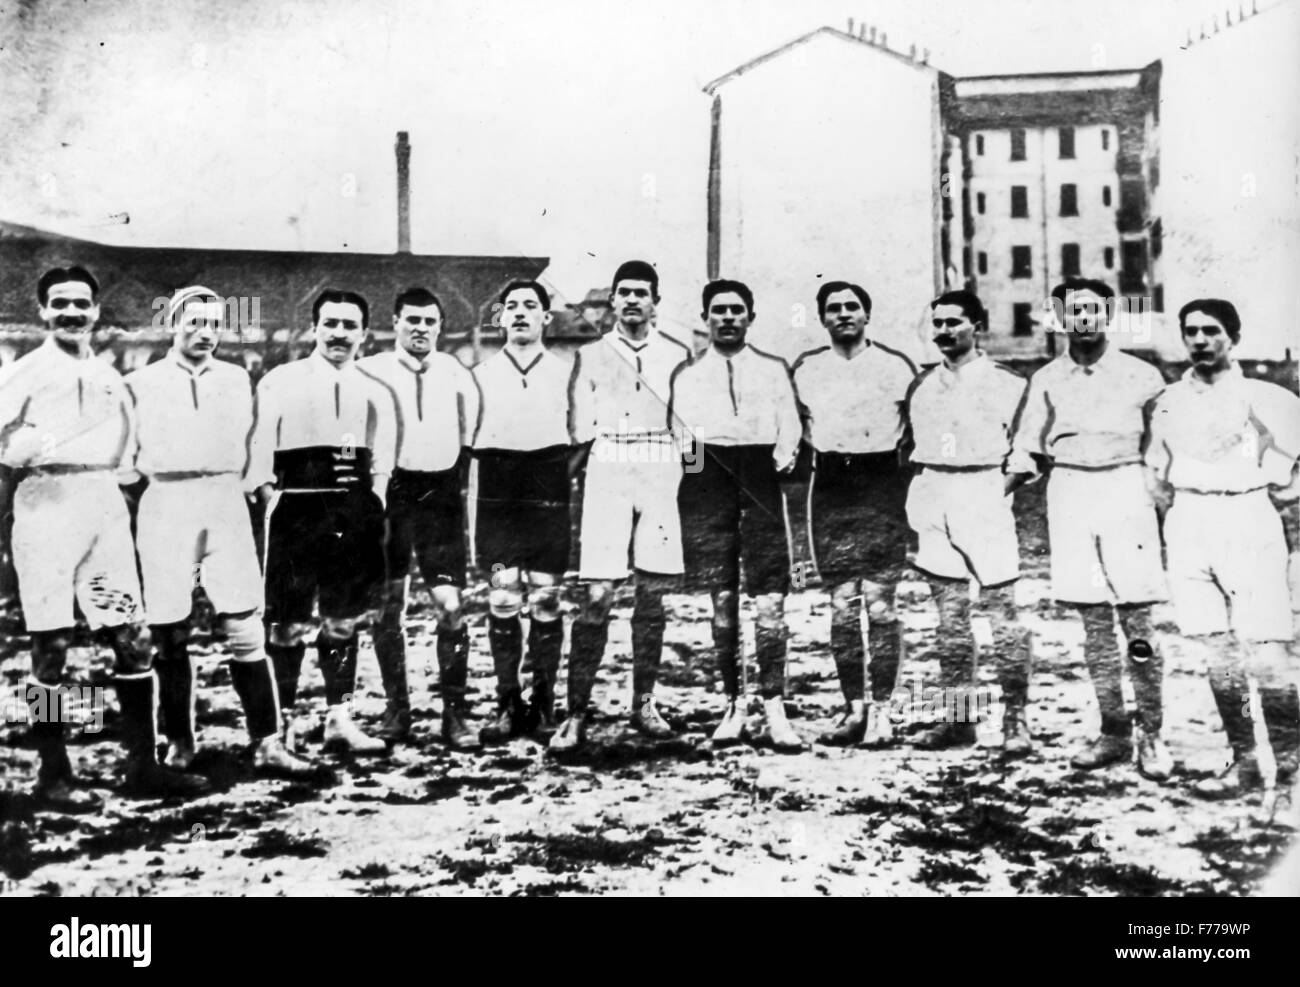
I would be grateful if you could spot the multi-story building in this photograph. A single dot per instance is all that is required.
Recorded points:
(1057, 177)
(1005, 184)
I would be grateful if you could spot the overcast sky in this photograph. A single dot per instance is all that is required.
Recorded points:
(573, 129)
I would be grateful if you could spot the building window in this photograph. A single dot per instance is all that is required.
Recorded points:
(1157, 238)
(979, 202)
(1069, 200)
(1022, 314)
(1109, 256)
(1158, 298)
(1105, 195)
(1067, 142)
(1069, 260)
(1017, 145)
(1105, 138)
(983, 263)
(979, 143)
(1020, 263)
(1019, 201)
(1132, 267)
(965, 261)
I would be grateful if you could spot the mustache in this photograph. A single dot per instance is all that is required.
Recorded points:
(70, 321)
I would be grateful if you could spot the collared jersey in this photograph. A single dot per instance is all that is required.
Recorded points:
(621, 387)
(745, 399)
(1090, 417)
(856, 405)
(310, 403)
(525, 406)
(190, 421)
(57, 409)
(437, 406)
(964, 417)
(1234, 435)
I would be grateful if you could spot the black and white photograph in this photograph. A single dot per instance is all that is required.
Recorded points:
(725, 449)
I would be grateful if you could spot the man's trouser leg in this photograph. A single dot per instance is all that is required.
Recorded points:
(390, 654)
(648, 623)
(1145, 663)
(847, 650)
(726, 640)
(1101, 651)
(175, 671)
(49, 654)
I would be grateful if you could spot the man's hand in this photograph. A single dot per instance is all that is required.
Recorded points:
(261, 495)
(578, 458)
(1014, 481)
(1162, 495)
(132, 492)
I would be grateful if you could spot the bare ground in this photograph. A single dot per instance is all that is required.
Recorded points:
(634, 817)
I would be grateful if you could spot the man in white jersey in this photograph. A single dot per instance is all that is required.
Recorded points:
(523, 449)
(629, 503)
(438, 408)
(65, 424)
(961, 415)
(322, 450)
(852, 395)
(1084, 422)
(1218, 442)
(737, 405)
(193, 417)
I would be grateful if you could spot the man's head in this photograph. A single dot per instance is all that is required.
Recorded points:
(956, 318)
(1210, 328)
(69, 302)
(417, 320)
(845, 310)
(196, 316)
(634, 293)
(525, 308)
(339, 319)
(728, 310)
(1082, 306)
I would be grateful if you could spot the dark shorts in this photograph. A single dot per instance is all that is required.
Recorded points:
(426, 516)
(733, 522)
(523, 509)
(326, 544)
(857, 510)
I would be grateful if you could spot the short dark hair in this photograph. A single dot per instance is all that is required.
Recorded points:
(637, 270)
(1099, 288)
(533, 286)
(339, 297)
(721, 287)
(179, 300)
(1215, 308)
(831, 287)
(59, 275)
(419, 298)
(968, 302)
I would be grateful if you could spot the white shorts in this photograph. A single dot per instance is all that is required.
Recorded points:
(629, 510)
(1228, 566)
(964, 525)
(1105, 539)
(72, 542)
(192, 532)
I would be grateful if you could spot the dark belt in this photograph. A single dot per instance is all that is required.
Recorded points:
(323, 468)
(66, 469)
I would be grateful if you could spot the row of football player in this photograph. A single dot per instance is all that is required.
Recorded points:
(360, 466)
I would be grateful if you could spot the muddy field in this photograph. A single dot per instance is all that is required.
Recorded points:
(633, 817)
